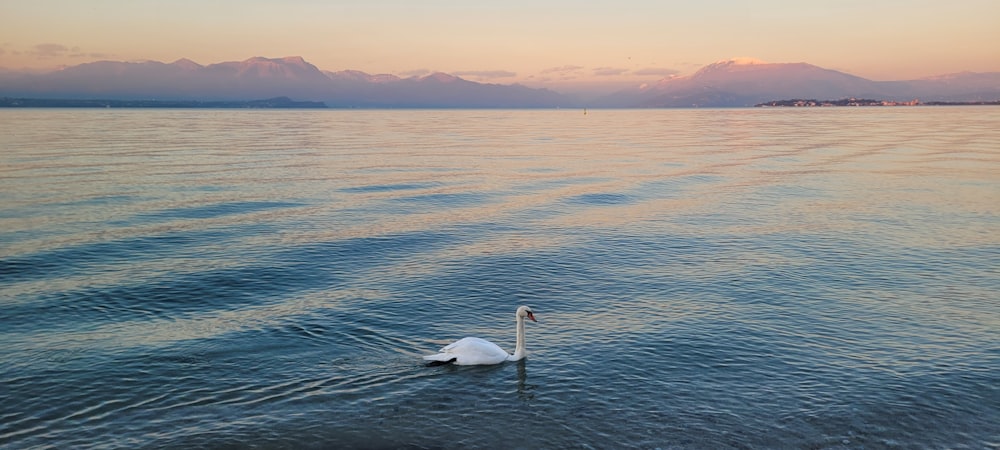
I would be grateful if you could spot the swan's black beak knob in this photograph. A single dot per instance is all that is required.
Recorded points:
(532, 316)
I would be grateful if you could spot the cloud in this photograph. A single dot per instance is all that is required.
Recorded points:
(76, 52)
(415, 73)
(52, 50)
(659, 71)
(561, 73)
(562, 70)
(485, 74)
(49, 50)
(609, 71)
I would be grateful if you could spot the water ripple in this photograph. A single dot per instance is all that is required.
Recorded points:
(702, 278)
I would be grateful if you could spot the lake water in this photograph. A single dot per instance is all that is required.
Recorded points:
(706, 279)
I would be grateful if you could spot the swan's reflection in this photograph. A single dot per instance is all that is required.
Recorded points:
(523, 388)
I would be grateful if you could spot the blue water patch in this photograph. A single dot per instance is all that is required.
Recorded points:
(548, 184)
(389, 187)
(791, 191)
(110, 200)
(170, 296)
(217, 210)
(601, 199)
(83, 257)
(540, 170)
(269, 275)
(42, 208)
(445, 200)
(678, 187)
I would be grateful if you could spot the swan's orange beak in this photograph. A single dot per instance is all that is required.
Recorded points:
(532, 317)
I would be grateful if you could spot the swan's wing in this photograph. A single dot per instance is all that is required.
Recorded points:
(440, 357)
(470, 351)
(472, 345)
(445, 354)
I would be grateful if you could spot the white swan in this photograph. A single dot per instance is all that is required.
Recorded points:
(472, 351)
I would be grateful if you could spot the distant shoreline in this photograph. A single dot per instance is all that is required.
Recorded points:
(813, 103)
(271, 103)
(287, 103)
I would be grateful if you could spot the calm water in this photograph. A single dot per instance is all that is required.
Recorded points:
(747, 278)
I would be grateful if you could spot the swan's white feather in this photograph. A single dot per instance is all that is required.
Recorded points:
(473, 351)
(470, 351)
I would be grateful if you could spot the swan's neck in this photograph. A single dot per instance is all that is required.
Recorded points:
(519, 350)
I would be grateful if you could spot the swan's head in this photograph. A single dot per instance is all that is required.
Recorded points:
(525, 311)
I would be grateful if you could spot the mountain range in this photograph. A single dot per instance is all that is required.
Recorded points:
(735, 82)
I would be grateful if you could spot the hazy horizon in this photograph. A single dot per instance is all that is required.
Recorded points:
(553, 44)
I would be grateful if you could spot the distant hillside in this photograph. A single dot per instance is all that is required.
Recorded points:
(271, 103)
(267, 78)
(747, 82)
(852, 102)
(737, 82)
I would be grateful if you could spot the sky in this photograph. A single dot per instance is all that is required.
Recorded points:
(539, 43)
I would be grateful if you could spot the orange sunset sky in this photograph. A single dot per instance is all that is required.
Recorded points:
(537, 43)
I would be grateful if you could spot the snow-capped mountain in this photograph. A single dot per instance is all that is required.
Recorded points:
(259, 77)
(746, 81)
(734, 82)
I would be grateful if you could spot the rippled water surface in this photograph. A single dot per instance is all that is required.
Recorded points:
(746, 278)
